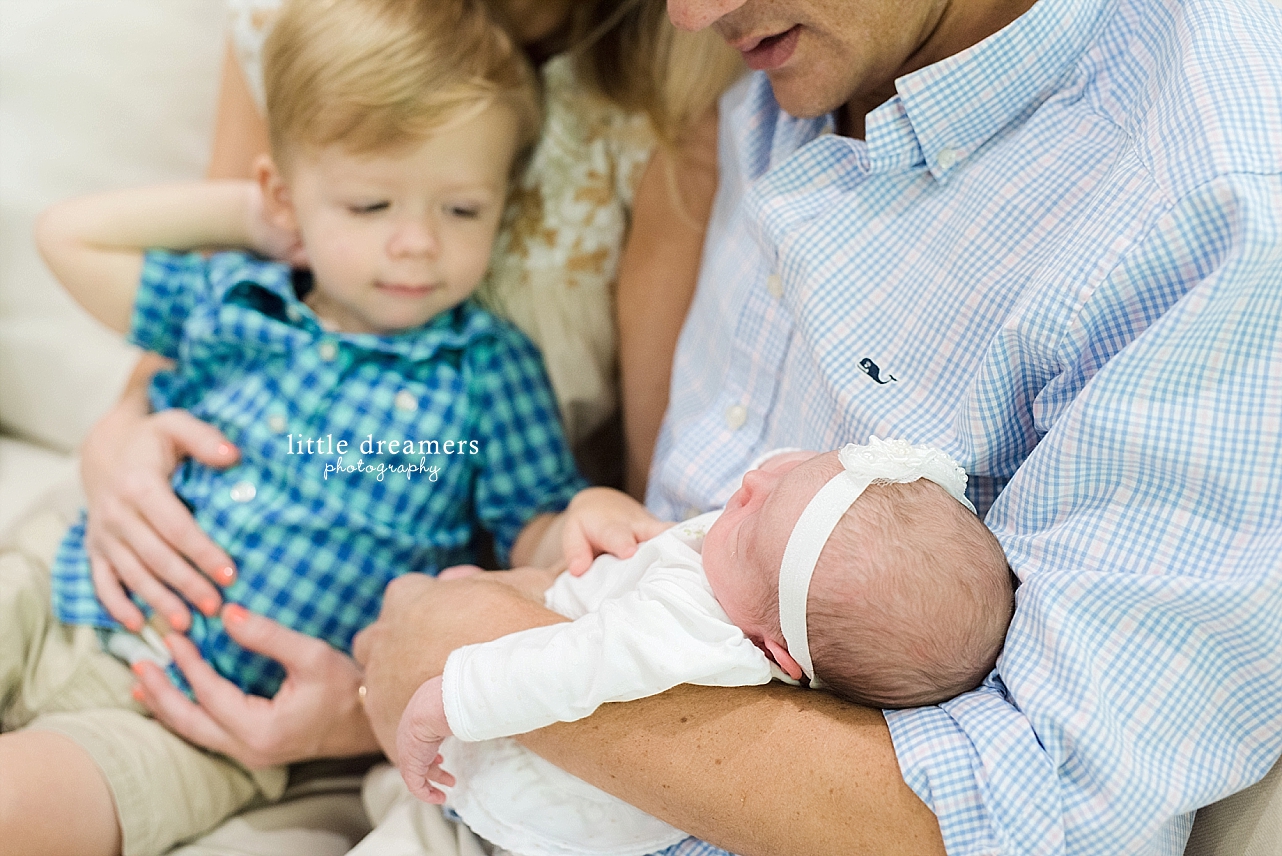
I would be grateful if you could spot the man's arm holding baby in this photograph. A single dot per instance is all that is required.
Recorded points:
(818, 775)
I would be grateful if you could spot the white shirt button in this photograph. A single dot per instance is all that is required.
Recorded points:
(293, 313)
(277, 423)
(243, 491)
(736, 415)
(328, 351)
(946, 158)
(774, 285)
(405, 400)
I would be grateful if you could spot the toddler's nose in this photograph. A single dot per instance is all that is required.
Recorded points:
(414, 237)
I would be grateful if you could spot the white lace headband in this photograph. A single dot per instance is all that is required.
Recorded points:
(893, 461)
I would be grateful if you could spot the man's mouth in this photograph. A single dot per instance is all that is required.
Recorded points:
(766, 53)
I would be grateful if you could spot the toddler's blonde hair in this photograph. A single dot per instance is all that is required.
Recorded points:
(373, 75)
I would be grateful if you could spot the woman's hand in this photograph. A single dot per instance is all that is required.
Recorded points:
(139, 536)
(317, 712)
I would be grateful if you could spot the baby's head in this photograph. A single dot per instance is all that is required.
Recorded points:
(910, 596)
(395, 126)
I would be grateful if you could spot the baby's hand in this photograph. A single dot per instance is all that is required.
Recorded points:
(602, 520)
(418, 742)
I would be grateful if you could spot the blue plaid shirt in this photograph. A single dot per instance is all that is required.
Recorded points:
(1058, 256)
(363, 457)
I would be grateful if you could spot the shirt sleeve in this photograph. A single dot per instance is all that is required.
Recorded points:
(1142, 674)
(526, 465)
(170, 286)
(668, 631)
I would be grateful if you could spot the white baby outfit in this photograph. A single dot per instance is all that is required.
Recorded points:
(640, 626)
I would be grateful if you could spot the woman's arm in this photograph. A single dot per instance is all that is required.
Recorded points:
(657, 274)
(240, 130)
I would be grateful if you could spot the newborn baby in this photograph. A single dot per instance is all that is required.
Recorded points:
(864, 571)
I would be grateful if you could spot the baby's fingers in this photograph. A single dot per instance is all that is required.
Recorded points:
(437, 774)
(577, 547)
(418, 778)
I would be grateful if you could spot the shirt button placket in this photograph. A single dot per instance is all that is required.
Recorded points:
(243, 491)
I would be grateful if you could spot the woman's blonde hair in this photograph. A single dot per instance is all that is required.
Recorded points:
(630, 52)
(369, 75)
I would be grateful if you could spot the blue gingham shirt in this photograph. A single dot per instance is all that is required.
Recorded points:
(318, 533)
(1058, 256)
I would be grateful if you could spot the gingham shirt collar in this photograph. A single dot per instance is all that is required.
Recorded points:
(453, 329)
(1016, 68)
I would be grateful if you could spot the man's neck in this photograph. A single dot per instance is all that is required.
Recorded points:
(958, 27)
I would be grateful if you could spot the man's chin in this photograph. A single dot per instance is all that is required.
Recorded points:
(796, 99)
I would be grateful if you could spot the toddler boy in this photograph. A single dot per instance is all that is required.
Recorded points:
(386, 423)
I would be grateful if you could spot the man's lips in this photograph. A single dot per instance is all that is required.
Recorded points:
(765, 53)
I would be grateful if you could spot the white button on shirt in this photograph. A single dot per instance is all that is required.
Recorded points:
(946, 158)
(405, 400)
(328, 351)
(243, 491)
(277, 423)
(774, 285)
(736, 415)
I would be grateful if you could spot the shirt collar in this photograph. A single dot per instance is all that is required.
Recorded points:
(453, 329)
(945, 112)
(956, 105)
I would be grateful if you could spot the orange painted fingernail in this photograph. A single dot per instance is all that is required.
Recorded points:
(225, 575)
(137, 693)
(179, 621)
(137, 669)
(209, 605)
(234, 613)
(225, 449)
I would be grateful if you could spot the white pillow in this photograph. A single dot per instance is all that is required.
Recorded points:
(94, 94)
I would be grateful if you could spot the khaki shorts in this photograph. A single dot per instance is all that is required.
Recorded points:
(56, 677)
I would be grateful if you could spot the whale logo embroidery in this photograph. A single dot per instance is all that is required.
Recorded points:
(873, 371)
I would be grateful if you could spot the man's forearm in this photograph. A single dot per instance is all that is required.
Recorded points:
(755, 770)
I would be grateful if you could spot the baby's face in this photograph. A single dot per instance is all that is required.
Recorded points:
(743, 550)
(394, 238)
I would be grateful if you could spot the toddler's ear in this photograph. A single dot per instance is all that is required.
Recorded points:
(278, 204)
(779, 653)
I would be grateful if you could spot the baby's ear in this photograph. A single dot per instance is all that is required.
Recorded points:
(779, 653)
(278, 204)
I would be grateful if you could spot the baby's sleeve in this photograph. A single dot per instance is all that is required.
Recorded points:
(168, 290)
(669, 631)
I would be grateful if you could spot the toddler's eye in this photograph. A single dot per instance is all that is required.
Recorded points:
(371, 208)
(465, 212)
